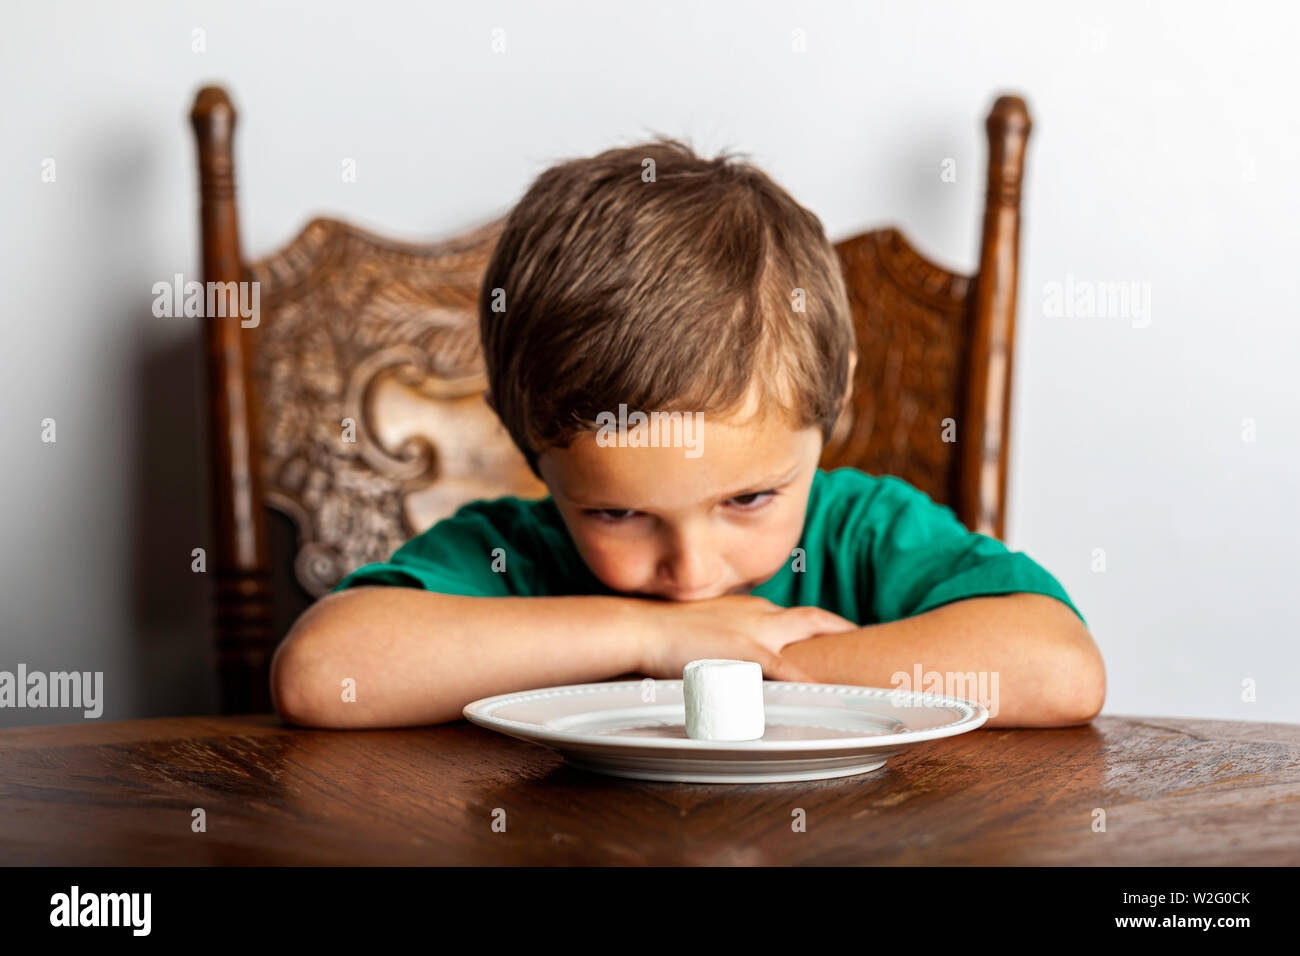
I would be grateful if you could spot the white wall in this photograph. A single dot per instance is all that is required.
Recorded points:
(1162, 153)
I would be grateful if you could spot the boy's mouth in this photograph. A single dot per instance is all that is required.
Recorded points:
(705, 594)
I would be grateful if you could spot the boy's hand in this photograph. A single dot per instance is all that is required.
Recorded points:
(735, 627)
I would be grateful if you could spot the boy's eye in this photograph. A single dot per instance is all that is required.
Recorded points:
(751, 501)
(610, 514)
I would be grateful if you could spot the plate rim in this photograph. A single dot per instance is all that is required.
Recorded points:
(972, 716)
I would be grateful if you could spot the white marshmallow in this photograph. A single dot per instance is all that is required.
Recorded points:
(724, 700)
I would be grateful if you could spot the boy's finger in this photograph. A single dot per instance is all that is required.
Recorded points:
(777, 667)
(822, 621)
(808, 622)
(834, 624)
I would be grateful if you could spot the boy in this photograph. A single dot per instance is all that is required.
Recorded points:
(650, 279)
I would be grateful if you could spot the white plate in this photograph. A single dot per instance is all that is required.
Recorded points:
(638, 729)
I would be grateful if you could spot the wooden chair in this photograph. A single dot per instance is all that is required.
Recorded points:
(355, 405)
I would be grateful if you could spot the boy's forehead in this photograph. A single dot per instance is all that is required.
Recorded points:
(730, 459)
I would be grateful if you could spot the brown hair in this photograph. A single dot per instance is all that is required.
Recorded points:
(668, 293)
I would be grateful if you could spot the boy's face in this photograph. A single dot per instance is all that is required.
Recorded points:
(658, 523)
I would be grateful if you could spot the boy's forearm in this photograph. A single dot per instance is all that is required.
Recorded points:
(418, 657)
(1049, 671)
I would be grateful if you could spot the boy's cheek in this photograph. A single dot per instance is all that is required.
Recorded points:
(618, 568)
(776, 553)
(783, 537)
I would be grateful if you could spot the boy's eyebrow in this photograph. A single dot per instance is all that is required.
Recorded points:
(764, 485)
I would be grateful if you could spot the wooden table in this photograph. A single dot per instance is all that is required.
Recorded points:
(1174, 791)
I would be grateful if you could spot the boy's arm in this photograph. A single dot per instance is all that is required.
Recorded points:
(1048, 668)
(418, 657)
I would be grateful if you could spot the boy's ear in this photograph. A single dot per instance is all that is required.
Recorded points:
(848, 388)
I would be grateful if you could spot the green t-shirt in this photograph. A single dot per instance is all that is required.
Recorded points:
(875, 549)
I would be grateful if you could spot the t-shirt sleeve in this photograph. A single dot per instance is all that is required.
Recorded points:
(468, 553)
(921, 557)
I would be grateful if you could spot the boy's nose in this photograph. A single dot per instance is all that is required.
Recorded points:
(689, 574)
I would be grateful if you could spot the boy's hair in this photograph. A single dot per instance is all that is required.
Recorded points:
(669, 291)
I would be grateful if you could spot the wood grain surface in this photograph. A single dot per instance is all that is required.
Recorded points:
(1174, 791)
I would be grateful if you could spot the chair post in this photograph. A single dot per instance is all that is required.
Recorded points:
(985, 433)
(242, 593)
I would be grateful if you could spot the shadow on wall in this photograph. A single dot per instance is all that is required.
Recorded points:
(169, 617)
(170, 610)
(172, 607)
(169, 511)
(166, 627)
